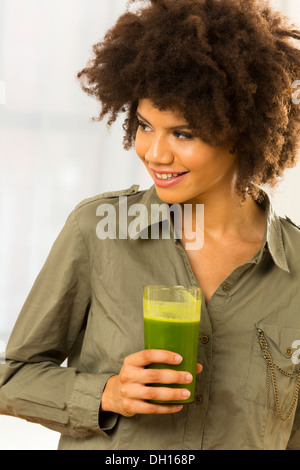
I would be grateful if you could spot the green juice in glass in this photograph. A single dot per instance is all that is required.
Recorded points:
(174, 326)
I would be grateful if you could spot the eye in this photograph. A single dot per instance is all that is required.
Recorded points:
(144, 126)
(183, 135)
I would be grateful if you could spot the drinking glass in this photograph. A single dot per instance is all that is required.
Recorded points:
(171, 322)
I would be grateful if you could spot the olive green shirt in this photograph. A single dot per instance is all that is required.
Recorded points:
(86, 305)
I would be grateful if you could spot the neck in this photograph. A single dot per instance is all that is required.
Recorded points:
(225, 217)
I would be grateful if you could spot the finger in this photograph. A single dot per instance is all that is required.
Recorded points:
(199, 368)
(143, 407)
(137, 391)
(163, 376)
(149, 356)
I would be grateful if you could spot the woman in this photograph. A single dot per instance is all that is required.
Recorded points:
(206, 86)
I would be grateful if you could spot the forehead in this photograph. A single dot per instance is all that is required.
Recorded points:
(149, 110)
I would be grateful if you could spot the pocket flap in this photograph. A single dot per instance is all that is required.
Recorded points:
(283, 345)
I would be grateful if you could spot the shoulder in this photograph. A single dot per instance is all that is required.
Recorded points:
(86, 211)
(287, 219)
(291, 240)
(289, 228)
(94, 201)
(110, 197)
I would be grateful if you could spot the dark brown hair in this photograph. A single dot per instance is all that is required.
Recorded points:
(226, 65)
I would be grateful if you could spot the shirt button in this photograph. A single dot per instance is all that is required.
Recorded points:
(288, 352)
(226, 288)
(198, 399)
(204, 339)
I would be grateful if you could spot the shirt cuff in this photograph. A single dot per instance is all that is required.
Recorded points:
(84, 406)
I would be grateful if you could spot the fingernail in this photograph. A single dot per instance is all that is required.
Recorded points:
(177, 358)
(186, 394)
(178, 408)
(188, 377)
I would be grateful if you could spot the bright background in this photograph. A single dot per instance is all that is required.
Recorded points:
(52, 156)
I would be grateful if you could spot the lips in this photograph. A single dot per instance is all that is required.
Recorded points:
(167, 178)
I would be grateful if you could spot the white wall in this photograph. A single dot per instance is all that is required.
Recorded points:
(51, 156)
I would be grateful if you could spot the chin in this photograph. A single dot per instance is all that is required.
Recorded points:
(169, 198)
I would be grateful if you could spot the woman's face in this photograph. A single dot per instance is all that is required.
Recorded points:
(183, 167)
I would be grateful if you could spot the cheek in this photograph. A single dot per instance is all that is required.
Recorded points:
(140, 147)
(203, 159)
(198, 160)
(197, 155)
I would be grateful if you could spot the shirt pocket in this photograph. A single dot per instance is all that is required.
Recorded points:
(273, 378)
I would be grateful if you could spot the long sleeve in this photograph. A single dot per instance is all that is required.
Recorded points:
(294, 442)
(50, 327)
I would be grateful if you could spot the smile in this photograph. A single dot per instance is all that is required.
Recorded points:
(166, 180)
(166, 176)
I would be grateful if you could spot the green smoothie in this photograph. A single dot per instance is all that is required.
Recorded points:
(180, 337)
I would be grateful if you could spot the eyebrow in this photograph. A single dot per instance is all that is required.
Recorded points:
(172, 128)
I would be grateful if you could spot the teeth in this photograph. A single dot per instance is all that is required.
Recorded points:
(165, 176)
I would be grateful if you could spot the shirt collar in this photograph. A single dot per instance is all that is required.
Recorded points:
(145, 219)
(272, 241)
(273, 238)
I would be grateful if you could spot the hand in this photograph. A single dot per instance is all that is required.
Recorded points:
(127, 392)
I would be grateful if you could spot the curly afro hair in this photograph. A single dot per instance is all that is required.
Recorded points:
(227, 66)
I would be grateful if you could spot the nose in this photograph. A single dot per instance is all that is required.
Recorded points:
(159, 151)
